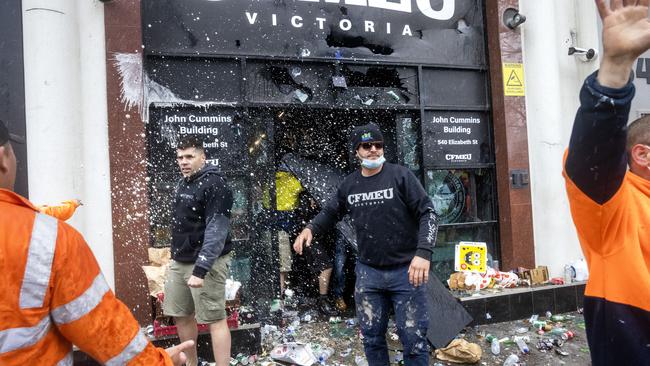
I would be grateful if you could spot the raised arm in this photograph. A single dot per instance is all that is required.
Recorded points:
(597, 158)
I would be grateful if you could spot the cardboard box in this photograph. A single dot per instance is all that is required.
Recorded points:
(536, 276)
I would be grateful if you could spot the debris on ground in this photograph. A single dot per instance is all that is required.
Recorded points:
(307, 338)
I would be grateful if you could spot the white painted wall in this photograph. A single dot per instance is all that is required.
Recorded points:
(553, 81)
(67, 128)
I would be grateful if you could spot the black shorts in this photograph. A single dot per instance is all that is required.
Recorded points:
(321, 255)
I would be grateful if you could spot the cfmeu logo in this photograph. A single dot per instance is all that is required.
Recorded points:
(384, 194)
(444, 12)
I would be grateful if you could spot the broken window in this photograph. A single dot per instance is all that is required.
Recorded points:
(182, 79)
(377, 85)
(288, 83)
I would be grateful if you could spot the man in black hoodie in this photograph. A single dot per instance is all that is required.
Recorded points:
(195, 287)
(396, 230)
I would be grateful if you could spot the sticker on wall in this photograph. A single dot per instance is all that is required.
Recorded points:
(513, 80)
(471, 256)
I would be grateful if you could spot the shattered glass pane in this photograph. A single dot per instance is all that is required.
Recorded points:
(407, 143)
(461, 196)
(192, 80)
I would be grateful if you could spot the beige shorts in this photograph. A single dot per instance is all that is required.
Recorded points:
(207, 302)
(284, 246)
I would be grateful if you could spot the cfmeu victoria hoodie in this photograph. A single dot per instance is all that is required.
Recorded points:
(201, 219)
(611, 210)
(391, 213)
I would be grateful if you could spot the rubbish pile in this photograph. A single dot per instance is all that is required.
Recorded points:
(472, 281)
(549, 339)
(304, 341)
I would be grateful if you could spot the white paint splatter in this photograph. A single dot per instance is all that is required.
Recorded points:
(367, 310)
(138, 90)
(129, 67)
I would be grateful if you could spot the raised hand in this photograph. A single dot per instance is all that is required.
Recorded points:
(626, 35)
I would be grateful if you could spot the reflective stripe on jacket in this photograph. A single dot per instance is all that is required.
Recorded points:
(54, 295)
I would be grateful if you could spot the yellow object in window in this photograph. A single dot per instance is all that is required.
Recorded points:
(287, 191)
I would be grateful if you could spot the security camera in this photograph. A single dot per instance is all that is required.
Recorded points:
(512, 18)
(585, 55)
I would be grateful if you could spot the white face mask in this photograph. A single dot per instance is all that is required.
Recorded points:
(373, 164)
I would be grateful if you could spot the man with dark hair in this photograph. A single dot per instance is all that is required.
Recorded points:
(195, 287)
(609, 204)
(53, 293)
(396, 230)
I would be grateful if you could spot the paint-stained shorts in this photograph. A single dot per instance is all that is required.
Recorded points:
(207, 302)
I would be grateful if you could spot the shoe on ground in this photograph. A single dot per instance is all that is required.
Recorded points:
(340, 304)
(325, 308)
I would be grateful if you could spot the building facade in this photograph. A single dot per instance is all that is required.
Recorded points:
(479, 111)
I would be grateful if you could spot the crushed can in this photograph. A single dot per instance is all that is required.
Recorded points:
(567, 335)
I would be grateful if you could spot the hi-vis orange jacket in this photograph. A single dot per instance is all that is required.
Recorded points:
(54, 295)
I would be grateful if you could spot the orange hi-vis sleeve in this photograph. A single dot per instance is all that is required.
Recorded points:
(63, 211)
(55, 296)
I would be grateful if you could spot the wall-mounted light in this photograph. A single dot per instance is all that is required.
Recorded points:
(512, 18)
(583, 54)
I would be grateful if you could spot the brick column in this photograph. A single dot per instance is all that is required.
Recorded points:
(127, 149)
(511, 141)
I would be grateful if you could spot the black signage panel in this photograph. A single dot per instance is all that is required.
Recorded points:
(445, 88)
(445, 32)
(12, 87)
(458, 139)
(219, 129)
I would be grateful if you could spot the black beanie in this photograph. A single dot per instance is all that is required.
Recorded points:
(365, 133)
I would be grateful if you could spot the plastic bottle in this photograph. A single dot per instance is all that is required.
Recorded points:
(511, 360)
(495, 346)
(558, 318)
(360, 361)
(489, 338)
(523, 347)
(325, 354)
(568, 274)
